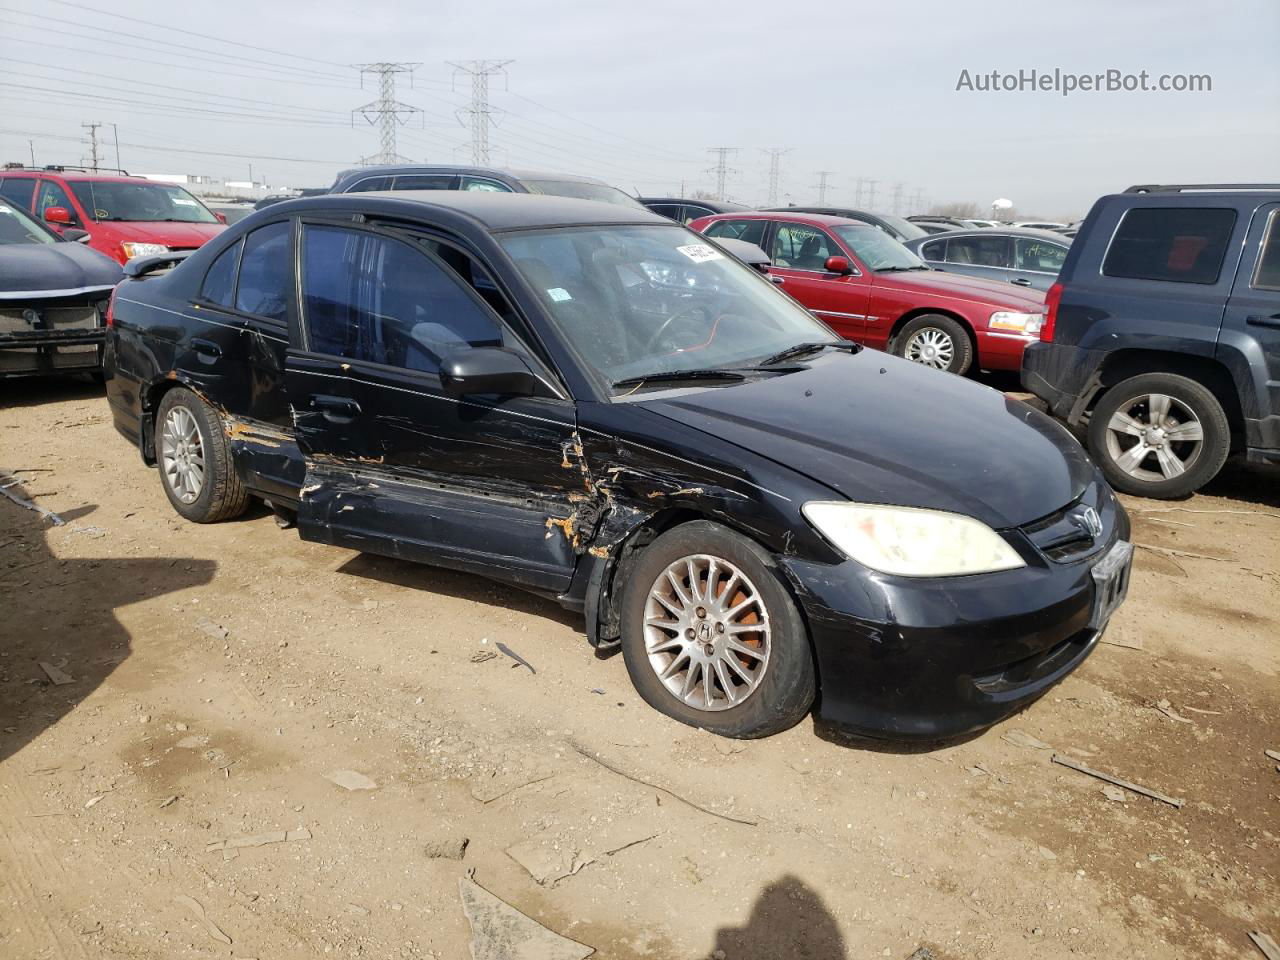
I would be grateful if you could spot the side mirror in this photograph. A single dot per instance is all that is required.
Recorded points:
(79, 236)
(57, 215)
(222, 217)
(837, 265)
(492, 370)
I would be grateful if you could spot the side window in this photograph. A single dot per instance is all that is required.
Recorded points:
(800, 247)
(18, 191)
(979, 251)
(1039, 255)
(266, 271)
(369, 184)
(373, 298)
(51, 194)
(752, 231)
(484, 184)
(692, 212)
(1178, 244)
(933, 251)
(422, 181)
(671, 210)
(220, 281)
(1267, 276)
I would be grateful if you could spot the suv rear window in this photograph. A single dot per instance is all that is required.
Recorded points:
(1177, 244)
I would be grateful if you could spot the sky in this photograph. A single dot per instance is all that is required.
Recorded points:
(638, 94)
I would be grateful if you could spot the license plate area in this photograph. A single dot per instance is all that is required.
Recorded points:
(1110, 582)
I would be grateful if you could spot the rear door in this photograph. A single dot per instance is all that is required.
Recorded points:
(798, 253)
(396, 465)
(980, 256)
(1036, 262)
(1252, 324)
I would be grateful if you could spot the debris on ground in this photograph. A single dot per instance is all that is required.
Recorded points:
(1113, 793)
(446, 848)
(501, 932)
(230, 848)
(1273, 754)
(1144, 791)
(56, 676)
(924, 953)
(1022, 739)
(1165, 707)
(519, 660)
(552, 857)
(487, 791)
(8, 480)
(215, 630)
(1266, 944)
(211, 928)
(168, 800)
(94, 801)
(350, 780)
(483, 656)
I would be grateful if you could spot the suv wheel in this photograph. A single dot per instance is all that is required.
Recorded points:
(712, 638)
(1159, 435)
(936, 341)
(196, 470)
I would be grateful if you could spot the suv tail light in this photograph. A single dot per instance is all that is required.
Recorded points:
(111, 309)
(1051, 301)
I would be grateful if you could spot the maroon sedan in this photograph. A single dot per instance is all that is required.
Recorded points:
(868, 287)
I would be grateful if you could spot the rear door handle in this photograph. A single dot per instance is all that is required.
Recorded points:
(1021, 282)
(335, 408)
(206, 347)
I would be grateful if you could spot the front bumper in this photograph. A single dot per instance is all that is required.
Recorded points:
(49, 352)
(931, 659)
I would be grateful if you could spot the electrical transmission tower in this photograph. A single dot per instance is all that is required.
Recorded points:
(479, 115)
(722, 168)
(897, 198)
(775, 155)
(93, 143)
(871, 193)
(387, 112)
(824, 178)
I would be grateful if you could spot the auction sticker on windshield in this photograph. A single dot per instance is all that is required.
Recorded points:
(700, 252)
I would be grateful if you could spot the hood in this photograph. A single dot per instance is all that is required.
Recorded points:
(879, 429)
(942, 283)
(66, 267)
(170, 234)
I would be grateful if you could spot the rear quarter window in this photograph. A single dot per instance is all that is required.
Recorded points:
(1172, 244)
(1267, 276)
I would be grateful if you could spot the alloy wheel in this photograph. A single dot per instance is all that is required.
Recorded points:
(931, 347)
(182, 455)
(707, 633)
(1154, 437)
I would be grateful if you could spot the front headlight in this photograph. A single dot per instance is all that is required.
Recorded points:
(1027, 324)
(136, 249)
(909, 542)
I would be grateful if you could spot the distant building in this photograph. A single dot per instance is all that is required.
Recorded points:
(213, 188)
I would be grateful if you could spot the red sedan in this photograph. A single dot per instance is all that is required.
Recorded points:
(868, 287)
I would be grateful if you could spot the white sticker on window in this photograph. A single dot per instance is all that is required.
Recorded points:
(183, 201)
(559, 294)
(700, 252)
(4, 209)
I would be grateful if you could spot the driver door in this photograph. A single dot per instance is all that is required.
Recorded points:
(394, 463)
(798, 255)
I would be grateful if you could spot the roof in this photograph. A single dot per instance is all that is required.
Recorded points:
(386, 169)
(493, 211)
(1028, 232)
(724, 206)
(821, 219)
(78, 175)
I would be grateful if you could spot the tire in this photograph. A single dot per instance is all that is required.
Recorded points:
(1171, 458)
(219, 495)
(774, 685)
(933, 339)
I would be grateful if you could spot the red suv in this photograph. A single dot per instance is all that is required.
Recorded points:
(124, 216)
(868, 287)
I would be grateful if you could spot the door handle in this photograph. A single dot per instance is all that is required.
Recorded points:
(1271, 321)
(774, 278)
(206, 347)
(335, 408)
(1021, 282)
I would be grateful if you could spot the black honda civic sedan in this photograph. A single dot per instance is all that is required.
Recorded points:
(598, 405)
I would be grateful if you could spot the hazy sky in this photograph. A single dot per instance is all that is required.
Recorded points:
(635, 93)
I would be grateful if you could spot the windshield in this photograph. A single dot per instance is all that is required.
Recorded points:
(17, 227)
(906, 229)
(584, 190)
(640, 300)
(877, 249)
(134, 201)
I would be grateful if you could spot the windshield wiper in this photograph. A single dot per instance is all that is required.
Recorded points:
(672, 376)
(800, 349)
(919, 266)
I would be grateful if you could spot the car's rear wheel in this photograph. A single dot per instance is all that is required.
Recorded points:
(195, 463)
(1159, 435)
(935, 341)
(711, 637)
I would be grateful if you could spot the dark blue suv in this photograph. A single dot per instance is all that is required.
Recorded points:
(1162, 338)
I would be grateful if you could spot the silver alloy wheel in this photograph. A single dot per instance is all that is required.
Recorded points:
(182, 455)
(932, 347)
(707, 632)
(1154, 430)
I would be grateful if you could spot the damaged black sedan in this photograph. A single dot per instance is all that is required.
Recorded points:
(595, 404)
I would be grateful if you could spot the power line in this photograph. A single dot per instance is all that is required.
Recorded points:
(480, 114)
(775, 155)
(387, 109)
(722, 170)
(192, 152)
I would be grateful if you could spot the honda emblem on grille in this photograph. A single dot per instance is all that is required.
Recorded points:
(1087, 519)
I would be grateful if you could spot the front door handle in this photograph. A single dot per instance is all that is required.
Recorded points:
(774, 278)
(338, 409)
(206, 347)
(1021, 282)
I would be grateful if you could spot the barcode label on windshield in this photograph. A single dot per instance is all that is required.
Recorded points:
(700, 252)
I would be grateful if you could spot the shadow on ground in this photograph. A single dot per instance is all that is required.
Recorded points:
(789, 919)
(61, 612)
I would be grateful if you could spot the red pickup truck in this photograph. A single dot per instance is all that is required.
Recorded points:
(868, 287)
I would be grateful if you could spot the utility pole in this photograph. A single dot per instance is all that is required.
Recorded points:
(479, 115)
(32, 145)
(386, 111)
(93, 143)
(115, 134)
(824, 177)
(775, 155)
(897, 198)
(722, 168)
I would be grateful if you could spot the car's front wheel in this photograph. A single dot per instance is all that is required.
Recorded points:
(711, 637)
(194, 458)
(935, 341)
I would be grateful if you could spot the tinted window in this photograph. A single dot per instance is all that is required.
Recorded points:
(51, 194)
(693, 212)
(1180, 244)
(266, 274)
(18, 190)
(934, 251)
(1267, 276)
(484, 185)
(801, 247)
(1040, 255)
(220, 282)
(369, 183)
(369, 297)
(16, 226)
(979, 251)
(425, 181)
(752, 231)
(671, 210)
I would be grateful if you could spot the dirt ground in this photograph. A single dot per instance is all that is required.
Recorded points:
(218, 673)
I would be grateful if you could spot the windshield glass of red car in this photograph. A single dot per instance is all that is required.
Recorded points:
(877, 249)
(151, 202)
(641, 300)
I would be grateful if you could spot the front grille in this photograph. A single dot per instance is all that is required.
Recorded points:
(1060, 538)
(46, 315)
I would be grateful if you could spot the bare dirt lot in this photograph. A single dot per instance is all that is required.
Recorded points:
(164, 790)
